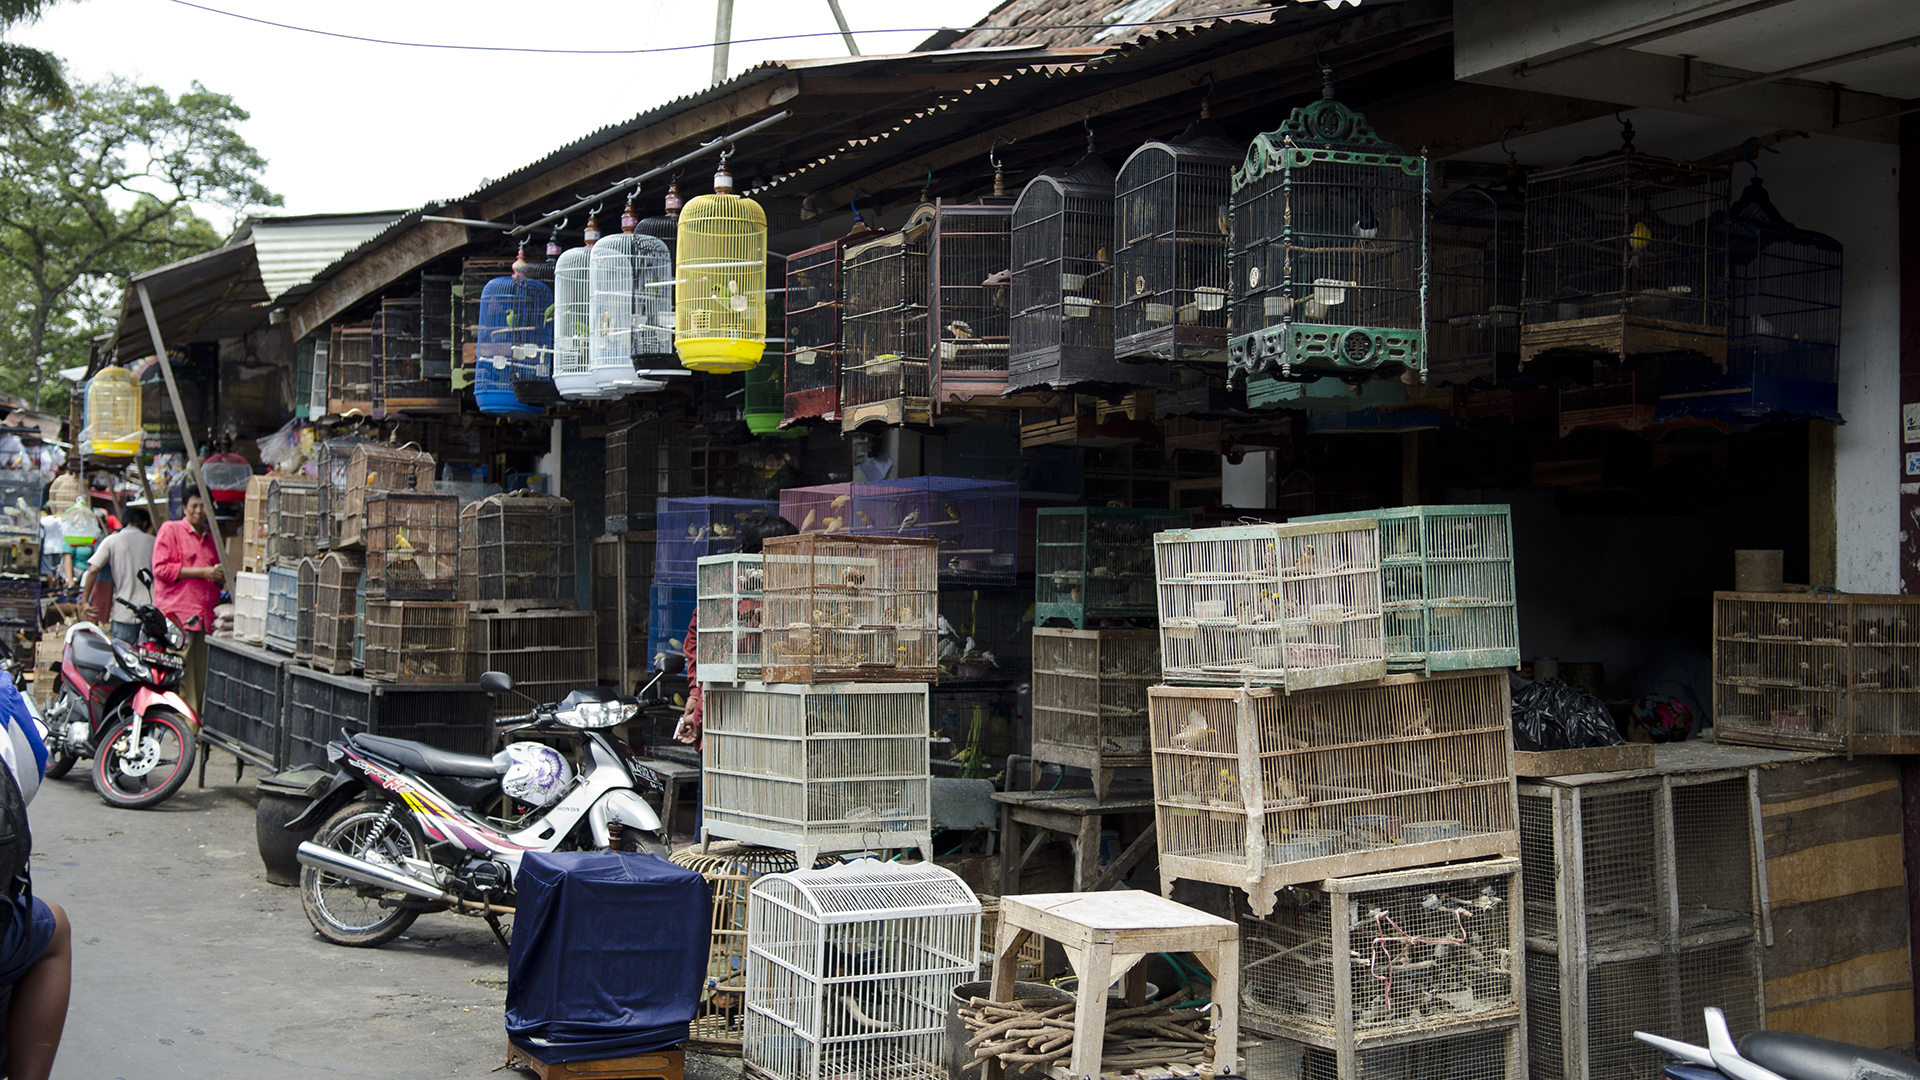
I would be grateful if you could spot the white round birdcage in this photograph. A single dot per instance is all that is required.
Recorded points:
(572, 326)
(632, 311)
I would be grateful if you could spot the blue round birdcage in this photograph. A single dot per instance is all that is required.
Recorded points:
(515, 349)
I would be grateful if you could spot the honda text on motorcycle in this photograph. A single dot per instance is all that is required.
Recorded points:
(409, 828)
(120, 705)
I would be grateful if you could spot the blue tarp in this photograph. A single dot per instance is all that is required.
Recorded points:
(608, 954)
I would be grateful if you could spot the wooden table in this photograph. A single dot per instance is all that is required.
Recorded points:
(1078, 815)
(1105, 935)
(669, 777)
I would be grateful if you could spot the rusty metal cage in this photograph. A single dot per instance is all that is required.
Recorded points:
(1060, 332)
(1093, 563)
(972, 252)
(884, 376)
(1473, 308)
(728, 592)
(646, 462)
(845, 608)
(335, 612)
(1497, 1052)
(524, 552)
(1090, 699)
(1271, 605)
(550, 654)
(1626, 255)
(1258, 788)
(975, 522)
(416, 641)
(1371, 959)
(374, 467)
(1171, 226)
(350, 369)
(412, 545)
(400, 384)
(292, 520)
(1832, 672)
(813, 333)
(307, 591)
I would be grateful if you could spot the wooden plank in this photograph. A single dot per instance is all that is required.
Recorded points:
(374, 271)
(1818, 934)
(1873, 973)
(1590, 760)
(1837, 869)
(1880, 1020)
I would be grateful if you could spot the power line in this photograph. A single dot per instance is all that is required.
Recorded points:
(681, 48)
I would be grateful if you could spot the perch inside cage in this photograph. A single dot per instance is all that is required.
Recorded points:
(1060, 333)
(632, 317)
(1785, 317)
(1171, 227)
(514, 345)
(970, 262)
(413, 545)
(720, 288)
(1473, 307)
(884, 376)
(1329, 257)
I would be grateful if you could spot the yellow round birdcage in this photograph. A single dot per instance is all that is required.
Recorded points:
(113, 414)
(720, 292)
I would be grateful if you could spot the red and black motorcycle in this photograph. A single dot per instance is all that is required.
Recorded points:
(119, 704)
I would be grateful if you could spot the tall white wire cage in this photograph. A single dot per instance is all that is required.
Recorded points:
(1171, 231)
(573, 326)
(884, 376)
(812, 769)
(851, 970)
(1785, 317)
(1061, 326)
(1329, 259)
(972, 252)
(1646, 901)
(632, 316)
(1473, 304)
(1271, 605)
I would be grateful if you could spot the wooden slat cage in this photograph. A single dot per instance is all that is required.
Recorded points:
(853, 609)
(975, 522)
(1259, 789)
(1170, 247)
(884, 376)
(1090, 699)
(333, 461)
(972, 252)
(729, 596)
(335, 612)
(412, 546)
(350, 369)
(1094, 563)
(400, 384)
(292, 520)
(1497, 1052)
(524, 552)
(646, 461)
(416, 641)
(307, 591)
(436, 331)
(622, 583)
(1474, 253)
(550, 654)
(253, 516)
(374, 467)
(250, 607)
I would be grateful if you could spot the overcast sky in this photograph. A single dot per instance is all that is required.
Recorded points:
(352, 126)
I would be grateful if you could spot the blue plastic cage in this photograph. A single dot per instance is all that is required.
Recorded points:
(515, 349)
(669, 610)
(977, 522)
(690, 528)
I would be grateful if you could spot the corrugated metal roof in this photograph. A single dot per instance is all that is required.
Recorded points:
(291, 250)
(1068, 23)
(217, 292)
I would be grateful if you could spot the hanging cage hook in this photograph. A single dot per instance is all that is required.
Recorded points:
(1326, 77)
(1206, 99)
(854, 204)
(1087, 121)
(1626, 131)
(928, 186)
(993, 152)
(1512, 130)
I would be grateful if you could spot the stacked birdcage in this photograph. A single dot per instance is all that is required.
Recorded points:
(250, 607)
(819, 508)
(1347, 967)
(622, 581)
(847, 608)
(728, 595)
(1090, 699)
(523, 552)
(1474, 253)
(1329, 249)
(573, 325)
(976, 522)
(1061, 334)
(646, 461)
(689, 528)
(1258, 788)
(336, 614)
(467, 578)
(400, 383)
(1626, 255)
(1643, 906)
(412, 546)
(1785, 312)
(281, 631)
(884, 376)
(415, 641)
(971, 258)
(1295, 605)
(813, 346)
(823, 768)
(256, 532)
(373, 468)
(307, 591)
(350, 369)
(1446, 586)
(1170, 247)
(437, 332)
(549, 654)
(851, 969)
(292, 520)
(332, 460)
(1093, 563)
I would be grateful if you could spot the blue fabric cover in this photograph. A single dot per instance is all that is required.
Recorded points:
(608, 954)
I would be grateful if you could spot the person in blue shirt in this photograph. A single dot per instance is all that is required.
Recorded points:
(36, 942)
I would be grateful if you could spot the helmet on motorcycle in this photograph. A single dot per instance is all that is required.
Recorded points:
(536, 773)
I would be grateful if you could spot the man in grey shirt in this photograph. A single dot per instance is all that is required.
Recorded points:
(125, 554)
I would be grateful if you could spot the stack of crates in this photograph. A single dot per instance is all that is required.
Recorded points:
(1332, 740)
(373, 468)
(687, 530)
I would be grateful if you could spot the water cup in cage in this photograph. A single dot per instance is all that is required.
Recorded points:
(1267, 656)
(1073, 283)
(1426, 832)
(1159, 313)
(1326, 613)
(1274, 307)
(1209, 298)
(1209, 609)
(1306, 655)
(1374, 829)
(1297, 845)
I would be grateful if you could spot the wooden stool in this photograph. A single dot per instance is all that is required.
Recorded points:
(1104, 935)
(1078, 816)
(658, 1065)
(669, 777)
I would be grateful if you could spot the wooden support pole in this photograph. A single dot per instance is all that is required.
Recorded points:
(186, 433)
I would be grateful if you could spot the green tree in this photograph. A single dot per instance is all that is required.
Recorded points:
(38, 73)
(100, 188)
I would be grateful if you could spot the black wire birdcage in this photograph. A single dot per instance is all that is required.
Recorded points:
(972, 260)
(1473, 251)
(1172, 218)
(646, 461)
(1329, 248)
(1061, 328)
(813, 333)
(350, 369)
(883, 364)
(1626, 255)
(436, 329)
(1785, 317)
(399, 381)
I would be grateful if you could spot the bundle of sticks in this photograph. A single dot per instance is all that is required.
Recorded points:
(1029, 1037)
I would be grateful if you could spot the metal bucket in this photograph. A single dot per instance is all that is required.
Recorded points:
(957, 1052)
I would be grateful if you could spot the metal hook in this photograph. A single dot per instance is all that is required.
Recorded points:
(928, 186)
(1088, 122)
(1626, 130)
(595, 212)
(854, 204)
(993, 151)
(1512, 129)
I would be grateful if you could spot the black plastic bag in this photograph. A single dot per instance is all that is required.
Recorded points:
(1550, 715)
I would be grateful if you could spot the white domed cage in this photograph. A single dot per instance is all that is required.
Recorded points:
(632, 294)
(573, 326)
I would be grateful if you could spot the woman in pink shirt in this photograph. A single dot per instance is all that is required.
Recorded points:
(187, 580)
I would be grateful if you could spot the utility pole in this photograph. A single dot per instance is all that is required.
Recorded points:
(722, 37)
(846, 34)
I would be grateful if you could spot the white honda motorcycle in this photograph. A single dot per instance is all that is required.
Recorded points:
(406, 830)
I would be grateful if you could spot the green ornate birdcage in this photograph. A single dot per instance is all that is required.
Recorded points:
(1329, 248)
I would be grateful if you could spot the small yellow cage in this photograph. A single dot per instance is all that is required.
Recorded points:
(720, 295)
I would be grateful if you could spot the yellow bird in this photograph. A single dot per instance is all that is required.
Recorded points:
(832, 524)
(400, 541)
(839, 502)
(1642, 236)
(807, 522)
(864, 518)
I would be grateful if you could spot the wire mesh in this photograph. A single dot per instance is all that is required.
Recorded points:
(437, 330)
(335, 612)
(282, 629)
(524, 551)
(851, 969)
(885, 305)
(972, 254)
(573, 326)
(416, 641)
(1626, 254)
(550, 654)
(1329, 248)
(350, 369)
(1172, 217)
(975, 522)
(646, 462)
(291, 519)
(1665, 994)
(691, 528)
(842, 608)
(1474, 246)
(1097, 563)
(412, 546)
(400, 384)
(1090, 699)
(1785, 311)
(622, 580)
(373, 468)
(1817, 671)
(729, 595)
(307, 592)
(1258, 789)
(840, 767)
(813, 333)
(1281, 605)
(1061, 327)
(632, 312)
(1496, 1054)
(670, 608)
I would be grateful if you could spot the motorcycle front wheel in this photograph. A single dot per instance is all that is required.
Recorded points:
(348, 913)
(60, 764)
(135, 777)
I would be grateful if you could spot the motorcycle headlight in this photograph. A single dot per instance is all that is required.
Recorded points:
(597, 714)
(176, 637)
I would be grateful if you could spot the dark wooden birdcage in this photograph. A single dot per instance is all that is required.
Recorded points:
(335, 611)
(524, 552)
(549, 654)
(1061, 327)
(350, 369)
(376, 467)
(292, 520)
(1329, 248)
(1785, 317)
(622, 588)
(1626, 255)
(646, 461)
(416, 641)
(306, 591)
(884, 376)
(972, 258)
(413, 545)
(1474, 246)
(436, 329)
(1171, 226)
(475, 272)
(333, 459)
(400, 384)
(813, 331)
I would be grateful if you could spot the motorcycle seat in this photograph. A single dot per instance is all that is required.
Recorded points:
(427, 759)
(1807, 1057)
(91, 653)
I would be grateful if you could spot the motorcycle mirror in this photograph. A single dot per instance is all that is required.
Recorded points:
(496, 682)
(146, 577)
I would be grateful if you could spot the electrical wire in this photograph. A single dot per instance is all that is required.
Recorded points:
(688, 48)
